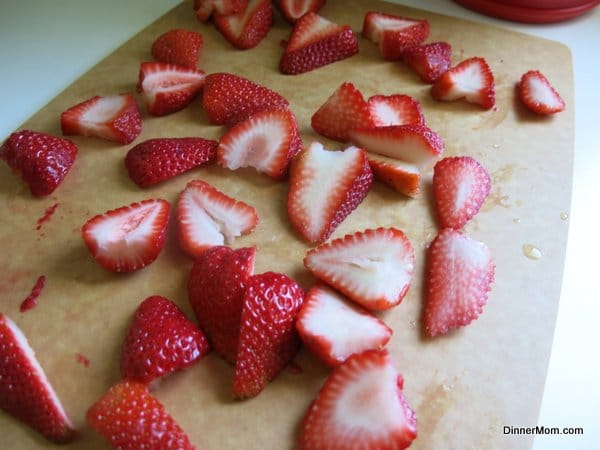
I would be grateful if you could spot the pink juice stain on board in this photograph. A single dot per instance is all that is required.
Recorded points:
(46, 216)
(31, 301)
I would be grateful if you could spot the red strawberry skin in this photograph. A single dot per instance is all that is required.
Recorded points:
(248, 27)
(393, 33)
(179, 47)
(42, 160)
(530, 88)
(429, 61)
(292, 10)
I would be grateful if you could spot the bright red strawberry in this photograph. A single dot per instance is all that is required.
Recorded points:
(472, 79)
(395, 109)
(460, 274)
(268, 338)
(42, 160)
(205, 8)
(229, 99)
(460, 186)
(207, 217)
(316, 42)
(267, 141)
(179, 47)
(325, 187)
(344, 110)
(129, 418)
(160, 341)
(333, 328)
(292, 10)
(25, 392)
(360, 406)
(248, 27)
(115, 117)
(537, 94)
(429, 61)
(128, 238)
(168, 88)
(399, 175)
(216, 289)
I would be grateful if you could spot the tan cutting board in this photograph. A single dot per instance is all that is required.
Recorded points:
(464, 387)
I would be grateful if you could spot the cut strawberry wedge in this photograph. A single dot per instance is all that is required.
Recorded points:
(397, 109)
(399, 175)
(537, 94)
(205, 8)
(292, 10)
(248, 27)
(178, 46)
(429, 61)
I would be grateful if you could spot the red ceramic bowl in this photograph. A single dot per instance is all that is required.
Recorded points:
(541, 11)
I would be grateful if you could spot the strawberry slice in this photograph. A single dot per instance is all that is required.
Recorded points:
(114, 117)
(25, 392)
(429, 61)
(292, 10)
(399, 175)
(472, 79)
(460, 274)
(207, 217)
(248, 27)
(205, 8)
(316, 42)
(397, 109)
(179, 47)
(334, 329)
(129, 238)
(361, 406)
(325, 187)
(168, 88)
(460, 186)
(156, 160)
(268, 338)
(537, 94)
(129, 418)
(267, 141)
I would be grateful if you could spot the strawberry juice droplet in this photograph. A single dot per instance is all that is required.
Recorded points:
(31, 300)
(81, 359)
(46, 217)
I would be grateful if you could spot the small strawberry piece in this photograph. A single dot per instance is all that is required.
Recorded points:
(398, 109)
(207, 217)
(537, 94)
(316, 42)
(399, 175)
(129, 418)
(267, 141)
(25, 392)
(129, 238)
(292, 10)
(115, 118)
(268, 338)
(325, 187)
(168, 88)
(460, 274)
(205, 8)
(333, 328)
(160, 341)
(460, 186)
(229, 99)
(179, 47)
(248, 27)
(344, 110)
(429, 61)
(216, 289)
(360, 406)
(472, 79)
(42, 160)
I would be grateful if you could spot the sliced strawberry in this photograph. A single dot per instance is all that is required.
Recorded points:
(344, 110)
(399, 175)
(42, 160)
(537, 94)
(128, 238)
(397, 109)
(316, 42)
(25, 392)
(229, 99)
(429, 61)
(156, 160)
(460, 186)
(207, 217)
(360, 406)
(205, 8)
(129, 418)
(248, 27)
(292, 10)
(334, 329)
(325, 187)
(168, 88)
(216, 289)
(472, 79)
(267, 141)
(179, 47)
(268, 338)
(115, 117)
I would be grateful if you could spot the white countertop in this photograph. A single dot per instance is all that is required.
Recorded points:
(45, 46)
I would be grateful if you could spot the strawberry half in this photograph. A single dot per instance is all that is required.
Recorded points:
(114, 117)
(25, 392)
(360, 406)
(267, 141)
(268, 338)
(205, 8)
(292, 10)
(399, 175)
(316, 42)
(129, 418)
(397, 109)
(129, 238)
(207, 217)
(537, 94)
(168, 88)
(460, 186)
(459, 277)
(334, 329)
(248, 27)
(179, 47)
(325, 187)
(472, 79)
(429, 61)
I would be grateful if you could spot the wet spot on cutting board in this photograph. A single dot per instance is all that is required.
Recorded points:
(82, 359)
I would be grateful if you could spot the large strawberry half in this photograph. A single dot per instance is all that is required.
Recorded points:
(179, 47)
(248, 27)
